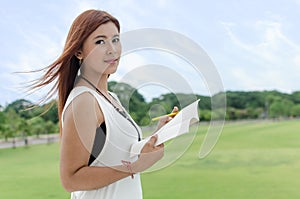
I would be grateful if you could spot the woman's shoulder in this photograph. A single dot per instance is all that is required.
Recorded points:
(82, 108)
(80, 97)
(79, 92)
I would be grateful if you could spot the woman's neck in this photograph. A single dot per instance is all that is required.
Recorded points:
(98, 82)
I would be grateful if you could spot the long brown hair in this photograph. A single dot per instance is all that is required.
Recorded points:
(64, 70)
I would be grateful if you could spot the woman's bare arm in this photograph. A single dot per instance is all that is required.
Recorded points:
(81, 119)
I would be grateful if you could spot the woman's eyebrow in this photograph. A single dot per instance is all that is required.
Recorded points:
(104, 36)
(99, 36)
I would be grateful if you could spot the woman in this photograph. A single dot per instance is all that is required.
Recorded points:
(96, 131)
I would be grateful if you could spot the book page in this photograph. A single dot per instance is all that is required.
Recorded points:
(177, 126)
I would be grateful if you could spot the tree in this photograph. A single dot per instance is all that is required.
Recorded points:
(3, 125)
(15, 125)
(22, 107)
(131, 99)
(50, 129)
(295, 97)
(50, 112)
(281, 108)
(23, 129)
(205, 115)
(240, 105)
(13, 121)
(295, 112)
(38, 126)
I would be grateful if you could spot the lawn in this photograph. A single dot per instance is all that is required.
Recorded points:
(250, 160)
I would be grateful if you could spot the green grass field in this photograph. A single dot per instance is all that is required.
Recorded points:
(250, 160)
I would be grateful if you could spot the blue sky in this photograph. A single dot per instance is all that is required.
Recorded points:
(255, 45)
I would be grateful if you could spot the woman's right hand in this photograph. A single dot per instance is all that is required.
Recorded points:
(164, 120)
(150, 154)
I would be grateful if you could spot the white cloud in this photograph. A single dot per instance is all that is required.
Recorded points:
(264, 49)
(271, 62)
(41, 51)
(297, 61)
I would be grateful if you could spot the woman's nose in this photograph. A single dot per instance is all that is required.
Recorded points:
(111, 48)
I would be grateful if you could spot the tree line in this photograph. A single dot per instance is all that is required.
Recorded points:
(23, 118)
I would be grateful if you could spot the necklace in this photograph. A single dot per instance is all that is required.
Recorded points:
(122, 112)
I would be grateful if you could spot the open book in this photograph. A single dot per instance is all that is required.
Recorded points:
(177, 126)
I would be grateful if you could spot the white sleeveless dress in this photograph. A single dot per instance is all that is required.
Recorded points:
(120, 135)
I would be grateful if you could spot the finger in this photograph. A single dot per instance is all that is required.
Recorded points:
(175, 109)
(169, 119)
(152, 140)
(164, 119)
(160, 146)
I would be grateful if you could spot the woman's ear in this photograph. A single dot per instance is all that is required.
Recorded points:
(78, 54)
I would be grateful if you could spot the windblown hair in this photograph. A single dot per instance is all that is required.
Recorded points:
(63, 71)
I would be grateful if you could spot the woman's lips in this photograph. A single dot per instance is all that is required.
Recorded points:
(111, 61)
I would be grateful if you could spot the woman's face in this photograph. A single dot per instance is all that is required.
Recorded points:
(102, 50)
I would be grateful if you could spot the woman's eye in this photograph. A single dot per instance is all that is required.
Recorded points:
(100, 42)
(115, 40)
